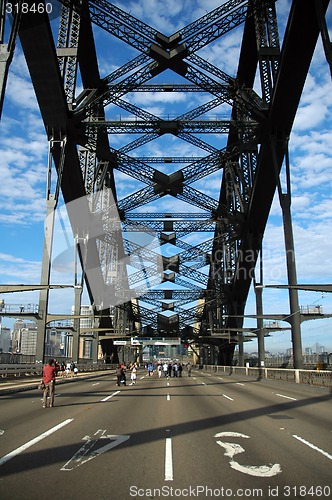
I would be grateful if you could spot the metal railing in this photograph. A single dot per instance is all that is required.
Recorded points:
(30, 370)
(318, 378)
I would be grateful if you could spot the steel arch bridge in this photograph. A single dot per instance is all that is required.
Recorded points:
(195, 289)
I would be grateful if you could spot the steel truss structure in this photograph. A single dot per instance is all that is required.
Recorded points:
(215, 275)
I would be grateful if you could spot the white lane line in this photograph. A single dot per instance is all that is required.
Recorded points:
(34, 441)
(286, 397)
(239, 383)
(203, 383)
(96, 383)
(221, 378)
(109, 397)
(225, 396)
(168, 460)
(313, 446)
(168, 397)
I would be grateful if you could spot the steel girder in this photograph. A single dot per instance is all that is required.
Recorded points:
(248, 176)
(170, 126)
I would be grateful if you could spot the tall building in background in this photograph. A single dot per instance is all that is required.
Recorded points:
(29, 340)
(85, 344)
(5, 339)
(24, 337)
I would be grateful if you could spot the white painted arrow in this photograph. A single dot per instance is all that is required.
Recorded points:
(234, 449)
(82, 456)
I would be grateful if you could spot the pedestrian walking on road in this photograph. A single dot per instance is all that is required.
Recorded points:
(133, 374)
(165, 368)
(49, 373)
(120, 375)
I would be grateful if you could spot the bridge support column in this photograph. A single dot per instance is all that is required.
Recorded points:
(45, 279)
(77, 324)
(241, 349)
(295, 315)
(95, 345)
(295, 319)
(260, 326)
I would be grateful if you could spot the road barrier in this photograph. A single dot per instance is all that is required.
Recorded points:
(28, 370)
(319, 378)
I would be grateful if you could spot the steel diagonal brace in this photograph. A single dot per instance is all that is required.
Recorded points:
(7, 49)
(106, 95)
(247, 101)
(198, 199)
(122, 25)
(141, 197)
(55, 144)
(200, 25)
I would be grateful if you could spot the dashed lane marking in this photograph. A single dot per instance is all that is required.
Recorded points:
(286, 397)
(168, 460)
(304, 441)
(34, 441)
(109, 397)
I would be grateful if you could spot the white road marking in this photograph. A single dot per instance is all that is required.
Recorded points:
(96, 383)
(239, 383)
(231, 434)
(313, 446)
(225, 396)
(168, 397)
(286, 397)
(234, 449)
(34, 441)
(253, 470)
(168, 460)
(203, 383)
(78, 460)
(109, 397)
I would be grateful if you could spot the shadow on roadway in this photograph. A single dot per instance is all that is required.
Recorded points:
(61, 454)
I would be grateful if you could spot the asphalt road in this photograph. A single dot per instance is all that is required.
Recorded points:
(204, 436)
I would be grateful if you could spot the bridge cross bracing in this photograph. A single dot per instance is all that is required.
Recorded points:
(166, 254)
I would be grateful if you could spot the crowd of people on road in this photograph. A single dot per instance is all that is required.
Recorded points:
(167, 369)
(53, 369)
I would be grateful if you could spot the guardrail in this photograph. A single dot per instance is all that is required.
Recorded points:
(28, 370)
(319, 378)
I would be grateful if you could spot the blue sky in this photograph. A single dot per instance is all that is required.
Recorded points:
(23, 166)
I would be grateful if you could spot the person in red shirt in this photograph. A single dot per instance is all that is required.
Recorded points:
(49, 373)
